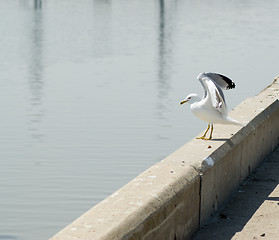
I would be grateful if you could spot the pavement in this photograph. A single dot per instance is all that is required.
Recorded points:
(253, 212)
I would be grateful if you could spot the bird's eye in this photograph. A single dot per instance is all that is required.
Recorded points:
(189, 97)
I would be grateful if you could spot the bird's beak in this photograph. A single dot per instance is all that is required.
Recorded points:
(184, 101)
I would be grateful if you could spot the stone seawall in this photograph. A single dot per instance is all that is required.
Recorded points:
(173, 198)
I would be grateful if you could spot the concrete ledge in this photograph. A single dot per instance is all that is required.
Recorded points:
(173, 198)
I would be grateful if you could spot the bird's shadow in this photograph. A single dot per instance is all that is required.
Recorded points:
(219, 139)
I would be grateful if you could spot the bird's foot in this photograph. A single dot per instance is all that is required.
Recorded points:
(206, 138)
(203, 138)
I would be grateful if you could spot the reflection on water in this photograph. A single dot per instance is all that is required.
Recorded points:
(90, 93)
(102, 24)
(37, 4)
(164, 58)
(164, 52)
(36, 84)
(7, 237)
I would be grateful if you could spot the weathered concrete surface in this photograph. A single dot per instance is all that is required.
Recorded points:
(237, 157)
(174, 197)
(164, 200)
(253, 213)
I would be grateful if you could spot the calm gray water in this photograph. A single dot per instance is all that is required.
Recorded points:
(90, 91)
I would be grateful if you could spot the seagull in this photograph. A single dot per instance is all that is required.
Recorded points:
(212, 108)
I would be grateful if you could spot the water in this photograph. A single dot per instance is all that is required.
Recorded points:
(90, 91)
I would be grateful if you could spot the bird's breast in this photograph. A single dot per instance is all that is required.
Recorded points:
(204, 111)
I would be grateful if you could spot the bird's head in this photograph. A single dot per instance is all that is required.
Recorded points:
(191, 98)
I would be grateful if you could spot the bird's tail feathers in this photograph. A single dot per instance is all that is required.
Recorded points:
(234, 122)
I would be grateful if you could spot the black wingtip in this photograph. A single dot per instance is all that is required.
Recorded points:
(230, 83)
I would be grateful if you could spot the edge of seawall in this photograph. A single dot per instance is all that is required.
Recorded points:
(171, 199)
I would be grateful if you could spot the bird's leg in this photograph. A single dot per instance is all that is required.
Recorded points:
(203, 136)
(210, 136)
(211, 132)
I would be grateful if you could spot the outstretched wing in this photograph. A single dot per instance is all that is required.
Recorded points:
(200, 78)
(213, 83)
(222, 81)
(216, 96)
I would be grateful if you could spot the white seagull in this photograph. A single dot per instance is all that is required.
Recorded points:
(212, 108)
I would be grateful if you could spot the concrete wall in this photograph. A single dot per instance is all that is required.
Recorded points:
(173, 198)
